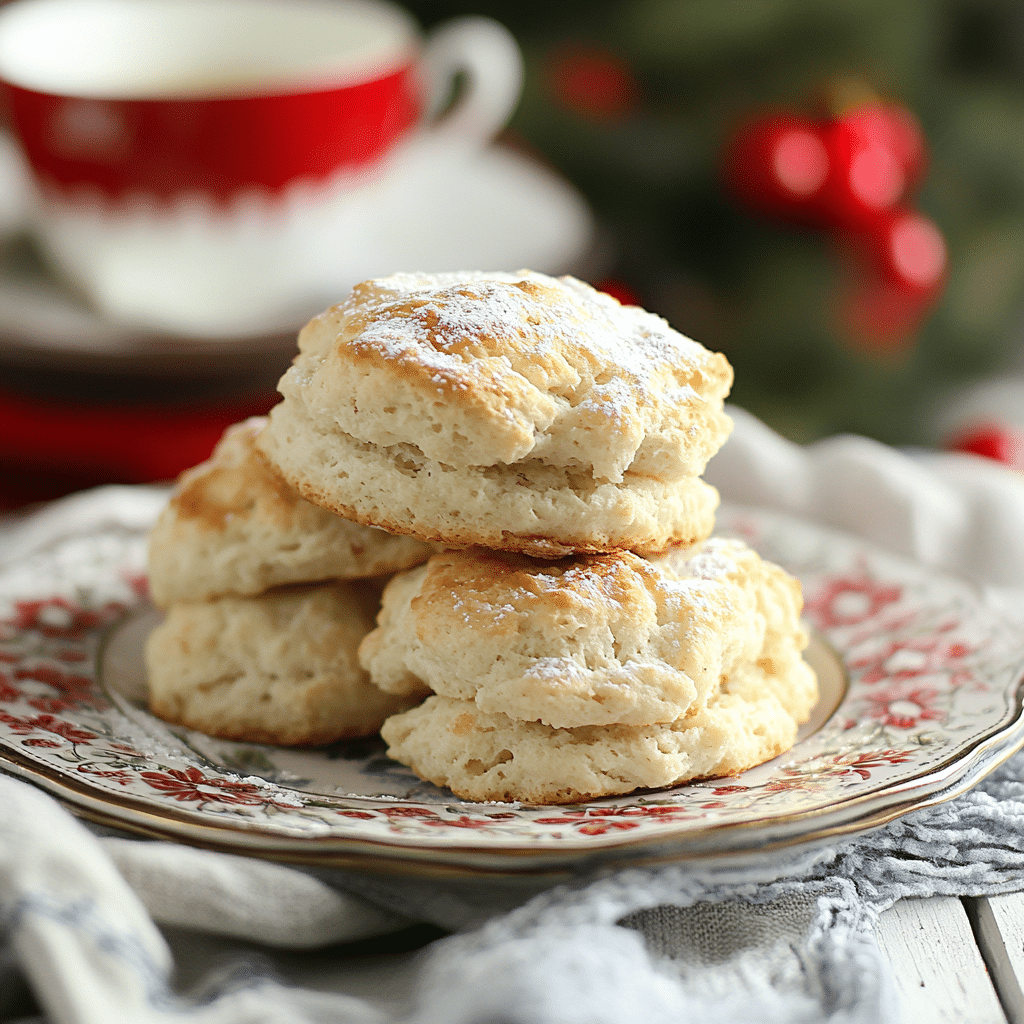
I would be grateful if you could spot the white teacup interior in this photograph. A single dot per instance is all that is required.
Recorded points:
(135, 49)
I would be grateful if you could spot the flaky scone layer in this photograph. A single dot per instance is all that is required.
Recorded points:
(448, 393)
(591, 640)
(277, 668)
(482, 756)
(233, 526)
(531, 508)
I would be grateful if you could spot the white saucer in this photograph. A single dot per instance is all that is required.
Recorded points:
(499, 210)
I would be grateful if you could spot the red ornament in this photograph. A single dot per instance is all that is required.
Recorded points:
(893, 127)
(778, 165)
(866, 177)
(911, 251)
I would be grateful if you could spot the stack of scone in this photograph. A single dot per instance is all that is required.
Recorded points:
(578, 635)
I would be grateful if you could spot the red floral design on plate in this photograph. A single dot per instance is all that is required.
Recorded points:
(71, 654)
(820, 771)
(191, 784)
(901, 660)
(118, 775)
(77, 689)
(850, 600)
(728, 789)
(57, 617)
(7, 691)
(792, 780)
(596, 821)
(600, 828)
(126, 749)
(462, 821)
(398, 816)
(904, 708)
(865, 762)
(22, 726)
(138, 582)
(409, 812)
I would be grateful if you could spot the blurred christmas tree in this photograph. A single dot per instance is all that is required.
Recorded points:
(638, 103)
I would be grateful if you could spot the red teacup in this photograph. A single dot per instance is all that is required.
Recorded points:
(132, 113)
(212, 96)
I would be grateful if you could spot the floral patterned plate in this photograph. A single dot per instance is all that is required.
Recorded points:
(921, 696)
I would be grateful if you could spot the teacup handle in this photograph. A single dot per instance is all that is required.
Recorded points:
(490, 57)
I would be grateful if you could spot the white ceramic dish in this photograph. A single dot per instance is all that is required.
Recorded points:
(921, 696)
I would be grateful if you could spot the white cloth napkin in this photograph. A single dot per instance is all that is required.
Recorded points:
(791, 940)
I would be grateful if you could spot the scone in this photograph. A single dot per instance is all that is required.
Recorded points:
(589, 641)
(508, 410)
(751, 718)
(596, 675)
(277, 668)
(233, 526)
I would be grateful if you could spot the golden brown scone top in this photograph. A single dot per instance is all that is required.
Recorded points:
(486, 368)
(233, 482)
(592, 640)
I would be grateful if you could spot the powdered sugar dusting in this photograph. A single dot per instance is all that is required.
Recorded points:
(446, 321)
(709, 560)
(691, 578)
(687, 580)
(714, 559)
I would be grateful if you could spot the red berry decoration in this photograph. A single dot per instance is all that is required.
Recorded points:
(866, 177)
(851, 174)
(899, 282)
(901, 132)
(777, 165)
(993, 441)
(617, 290)
(911, 252)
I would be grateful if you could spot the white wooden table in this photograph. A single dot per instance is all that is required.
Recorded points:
(958, 960)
